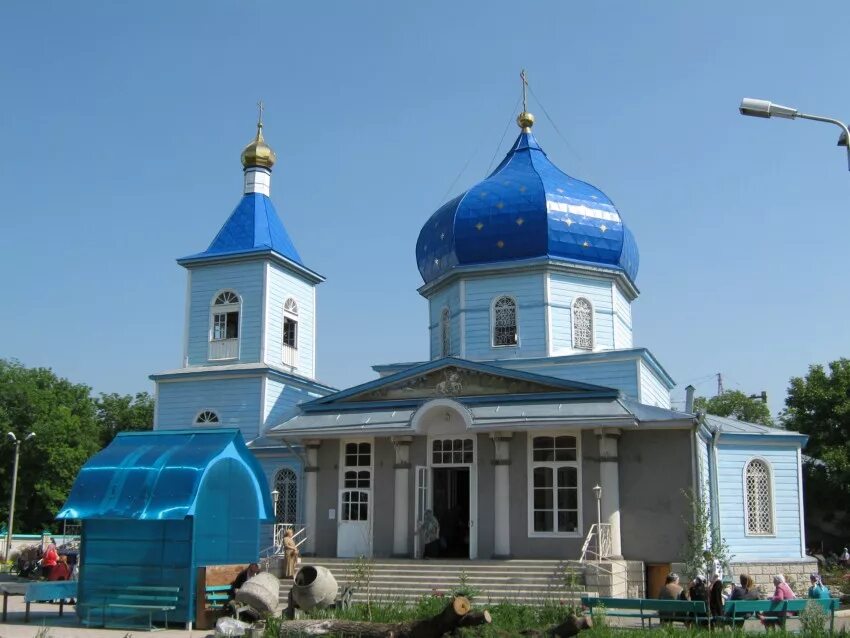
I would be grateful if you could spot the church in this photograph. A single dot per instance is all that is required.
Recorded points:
(535, 428)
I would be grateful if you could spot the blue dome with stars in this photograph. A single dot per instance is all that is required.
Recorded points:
(526, 208)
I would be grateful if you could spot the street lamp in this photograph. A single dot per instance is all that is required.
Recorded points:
(275, 494)
(764, 108)
(17, 443)
(597, 492)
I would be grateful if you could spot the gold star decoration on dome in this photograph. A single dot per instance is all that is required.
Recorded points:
(586, 244)
(522, 189)
(483, 193)
(442, 235)
(479, 226)
(520, 221)
(500, 205)
(569, 222)
(603, 228)
(500, 244)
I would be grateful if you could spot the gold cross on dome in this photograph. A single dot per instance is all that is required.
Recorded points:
(260, 109)
(524, 79)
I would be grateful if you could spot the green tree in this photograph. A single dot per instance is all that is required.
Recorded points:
(736, 404)
(62, 415)
(818, 405)
(118, 413)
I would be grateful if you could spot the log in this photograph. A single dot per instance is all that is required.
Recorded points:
(570, 627)
(443, 623)
(475, 618)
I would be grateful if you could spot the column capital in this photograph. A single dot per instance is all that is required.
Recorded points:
(501, 436)
(312, 444)
(401, 440)
(608, 433)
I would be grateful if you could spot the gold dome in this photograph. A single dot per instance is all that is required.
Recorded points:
(525, 121)
(258, 153)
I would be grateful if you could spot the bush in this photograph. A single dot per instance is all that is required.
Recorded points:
(813, 620)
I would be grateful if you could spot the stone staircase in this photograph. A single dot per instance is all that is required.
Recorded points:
(531, 582)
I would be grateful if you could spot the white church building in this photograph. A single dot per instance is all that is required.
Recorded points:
(534, 428)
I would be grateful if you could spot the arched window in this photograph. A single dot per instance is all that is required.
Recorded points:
(582, 324)
(445, 333)
(224, 330)
(206, 417)
(504, 322)
(286, 506)
(759, 498)
(290, 332)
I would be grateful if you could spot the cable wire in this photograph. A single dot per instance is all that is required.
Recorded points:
(555, 126)
(505, 132)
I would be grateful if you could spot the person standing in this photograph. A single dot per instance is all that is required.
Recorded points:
(49, 559)
(429, 532)
(290, 553)
(715, 596)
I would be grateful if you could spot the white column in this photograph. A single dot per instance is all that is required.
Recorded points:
(311, 481)
(502, 494)
(258, 180)
(609, 479)
(401, 505)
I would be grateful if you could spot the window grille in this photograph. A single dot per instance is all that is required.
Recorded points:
(504, 322)
(355, 505)
(452, 452)
(226, 298)
(358, 455)
(554, 476)
(207, 416)
(759, 498)
(582, 324)
(286, 485)
(445, 333)
(291, 307)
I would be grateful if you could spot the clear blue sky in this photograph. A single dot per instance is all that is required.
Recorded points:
(122, 124)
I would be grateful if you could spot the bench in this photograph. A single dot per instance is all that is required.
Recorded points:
(212, 591)
(39, 592)
(735, 612)
(648, 609)
(133, 601)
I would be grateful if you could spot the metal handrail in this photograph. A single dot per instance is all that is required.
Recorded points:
(597, 543)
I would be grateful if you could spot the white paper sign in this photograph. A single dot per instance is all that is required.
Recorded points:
(331, 514)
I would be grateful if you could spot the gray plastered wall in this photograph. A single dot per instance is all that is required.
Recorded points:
(327, 497)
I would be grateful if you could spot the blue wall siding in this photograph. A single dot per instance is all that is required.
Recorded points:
(446, 297)
(622, 320)
(622, 375)
(652, 390)
(784, 466)
(246, 279)
(236, 401)
(282, 285)
(528, 290)
(281, 401)
(562, 290)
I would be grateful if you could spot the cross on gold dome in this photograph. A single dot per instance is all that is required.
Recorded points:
(258, 153)
(260, 116)
(525, 120)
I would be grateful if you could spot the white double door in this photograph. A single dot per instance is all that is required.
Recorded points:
(424, 500)
(354, 527)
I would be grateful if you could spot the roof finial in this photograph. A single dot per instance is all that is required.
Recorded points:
(260, 120)
(525, 119)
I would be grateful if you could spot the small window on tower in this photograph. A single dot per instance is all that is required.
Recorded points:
(224, 329)
(290, 333)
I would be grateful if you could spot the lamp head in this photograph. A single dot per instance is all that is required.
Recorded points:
(597, 492)
(11, 436)
(842, 139)
(29, 436)
(764, 108)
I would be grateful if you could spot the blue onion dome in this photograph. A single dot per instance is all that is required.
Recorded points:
(527, 208)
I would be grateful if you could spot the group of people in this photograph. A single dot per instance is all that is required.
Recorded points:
(55, 566)
(715, 593)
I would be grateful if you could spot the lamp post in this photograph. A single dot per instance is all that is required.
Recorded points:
(597, 492)
(764, 108)
(275, 494)
(17, 442)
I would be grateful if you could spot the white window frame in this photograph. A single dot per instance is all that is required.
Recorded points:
(772, 500)
(445, 332)
(531, 464)
(573, 325)
(211, 423)
(286, 468)
(343, 468)
(493, 321)
(224, 309)
(441, 437)
(292, 315)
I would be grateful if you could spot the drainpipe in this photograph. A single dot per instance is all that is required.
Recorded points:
(715, 502)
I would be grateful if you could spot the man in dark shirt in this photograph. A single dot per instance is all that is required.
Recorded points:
(251, 570)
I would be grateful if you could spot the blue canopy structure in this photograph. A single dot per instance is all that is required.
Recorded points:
(155, 506)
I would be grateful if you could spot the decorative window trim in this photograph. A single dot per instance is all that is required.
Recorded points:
(224, 309)
(290, 307)
(573, 324)
(445, 332)
(530, 464)
(452, 437)
(207, 411)
(493, 303)
(279, 515)
(771, 500)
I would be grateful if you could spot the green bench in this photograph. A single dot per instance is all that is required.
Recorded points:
(216, 595)
(133, 601)
(648, 609)
(735, 612)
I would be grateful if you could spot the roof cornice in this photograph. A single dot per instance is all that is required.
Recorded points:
(254, 254)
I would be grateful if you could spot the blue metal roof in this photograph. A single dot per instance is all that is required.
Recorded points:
(253, 226)
(159, 475)
(525, 208)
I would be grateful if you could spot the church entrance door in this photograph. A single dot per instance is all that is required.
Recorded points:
(452, 509)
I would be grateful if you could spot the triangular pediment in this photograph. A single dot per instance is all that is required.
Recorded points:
(458, 378)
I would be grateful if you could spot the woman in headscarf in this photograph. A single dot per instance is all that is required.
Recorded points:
(429, 531)
(290, 552)
(715, 596)
(818, 589)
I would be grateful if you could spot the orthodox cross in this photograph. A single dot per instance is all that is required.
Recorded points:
(524, 79)
(260, 109)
